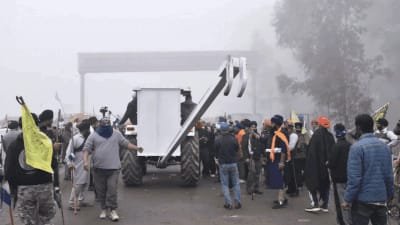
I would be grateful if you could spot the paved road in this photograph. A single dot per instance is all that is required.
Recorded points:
(161, 200)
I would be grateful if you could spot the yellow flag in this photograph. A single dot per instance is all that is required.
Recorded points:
(294, 117)
(38, 147)
(381, 112)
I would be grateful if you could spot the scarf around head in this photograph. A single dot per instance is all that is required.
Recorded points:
(105, 131)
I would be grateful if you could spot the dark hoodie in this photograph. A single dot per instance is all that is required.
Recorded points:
(226, 147)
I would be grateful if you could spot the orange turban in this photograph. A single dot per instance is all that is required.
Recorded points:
(324, 122)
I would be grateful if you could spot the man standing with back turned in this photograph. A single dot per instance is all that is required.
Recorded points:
(369, 176)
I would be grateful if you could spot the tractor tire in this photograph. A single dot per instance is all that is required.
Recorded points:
(132, 173)
(190, 161)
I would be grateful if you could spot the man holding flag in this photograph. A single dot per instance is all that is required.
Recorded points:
(29, 168)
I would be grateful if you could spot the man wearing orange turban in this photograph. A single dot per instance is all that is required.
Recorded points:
(316, 171)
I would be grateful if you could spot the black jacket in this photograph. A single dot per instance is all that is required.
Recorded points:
(338, 161)
(226, 147)
(131, 112)
(316, 170)
(256, 147)
(204, 138)
(16, 175)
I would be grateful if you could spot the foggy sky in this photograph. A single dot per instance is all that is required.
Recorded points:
(40, 41)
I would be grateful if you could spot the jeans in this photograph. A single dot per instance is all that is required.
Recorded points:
(362, 213)
(106, 184)
(230, 172)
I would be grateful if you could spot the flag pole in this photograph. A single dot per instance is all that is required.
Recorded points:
(11, 215)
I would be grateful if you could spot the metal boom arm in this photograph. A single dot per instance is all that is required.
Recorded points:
(230, 69)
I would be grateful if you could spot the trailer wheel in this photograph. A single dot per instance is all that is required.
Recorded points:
(132, 173)
(190, 161)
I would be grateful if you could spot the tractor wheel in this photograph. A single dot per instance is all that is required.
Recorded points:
(190, 161)
(132, 173)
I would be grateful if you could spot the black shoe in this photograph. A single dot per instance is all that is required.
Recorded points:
(238, 205)
(227, 206)
(258, 192)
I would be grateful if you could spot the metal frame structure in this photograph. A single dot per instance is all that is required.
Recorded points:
(120, 62)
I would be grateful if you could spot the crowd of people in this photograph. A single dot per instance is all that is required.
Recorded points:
(357, 164)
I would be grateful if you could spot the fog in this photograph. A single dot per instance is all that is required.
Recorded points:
(40, 41)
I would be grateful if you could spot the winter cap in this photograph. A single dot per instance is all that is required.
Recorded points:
(340, 130)
(324, 122)
(224, 127)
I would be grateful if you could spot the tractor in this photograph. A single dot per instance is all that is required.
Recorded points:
(162, 124)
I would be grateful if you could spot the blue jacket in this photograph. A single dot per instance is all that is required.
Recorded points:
(369, 171)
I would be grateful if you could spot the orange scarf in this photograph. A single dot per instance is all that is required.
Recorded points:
(281, 136)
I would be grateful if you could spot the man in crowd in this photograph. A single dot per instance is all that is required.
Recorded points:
(211, 149)
(316, 171)
(66, 137)
(204, 138)
(338, 165)
(384, 135)
(34, 187)
(369, 176)
(299, 153)
(11, 135)
(104, 146)
(265, 141)
(292, 189)
(131, 111)
(253, 152)
(244, 128)
(278, 152)
(227, 147)
(45, 126)
(74, 161)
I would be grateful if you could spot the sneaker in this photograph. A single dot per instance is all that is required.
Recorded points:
(114, 216)
(242, 181)
(313, 209)
(228, 206)
(324, 209)
(212, 175)
(238, 205)
(103, 214)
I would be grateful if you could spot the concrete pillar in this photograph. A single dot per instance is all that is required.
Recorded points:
(82, 94)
